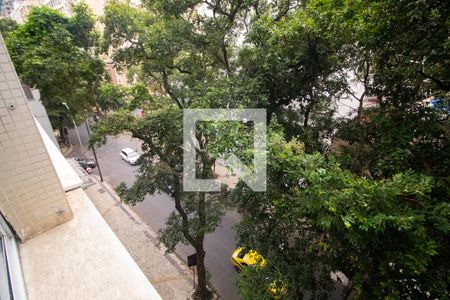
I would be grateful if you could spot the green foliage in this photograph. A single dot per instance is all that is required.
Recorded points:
(378, 212)
(405, 41)
(141, 98)
(315, 218)
(392, 140)
(6, 26)
(53, 54)
(253, 283)
(81, 25)
(111, 96)
(296, 66)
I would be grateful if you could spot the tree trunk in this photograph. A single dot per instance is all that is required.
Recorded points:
(308, 109)
(202, 291)
(63, 136)
(305, 121)
(202, 288)
(360, 107)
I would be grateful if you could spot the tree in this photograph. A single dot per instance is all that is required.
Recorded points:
(196, 213)
(388, 141)
(385, 224)
(291, 58)
(389, 237)
(55, 54)
(299, 70)
(185, 58)
(141, 98)
(113, 97)
(397, 49)
(82, 27)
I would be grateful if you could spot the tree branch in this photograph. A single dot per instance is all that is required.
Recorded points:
(169, 90)
(441, 84)
(180, 69)
(217, 8)
(225, 59)
(183, 214)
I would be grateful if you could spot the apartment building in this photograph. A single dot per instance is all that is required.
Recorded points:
(6, 8)
(62, 6)
(19, 9)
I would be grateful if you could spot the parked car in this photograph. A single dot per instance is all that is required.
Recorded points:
(130, 155)
(86, 162)
(243, 258)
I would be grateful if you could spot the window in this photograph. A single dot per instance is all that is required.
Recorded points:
(11, 280)
(5, 287)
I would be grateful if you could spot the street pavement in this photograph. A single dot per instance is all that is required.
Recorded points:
(156, 208)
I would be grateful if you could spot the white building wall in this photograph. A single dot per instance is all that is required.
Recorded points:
(21, 8)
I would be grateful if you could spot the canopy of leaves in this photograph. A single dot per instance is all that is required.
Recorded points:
(378, 212)
(381, 231)
(388, 141)
(54, 54)
(206, 54)
(111, 97)
(389, 237)
(297, 68)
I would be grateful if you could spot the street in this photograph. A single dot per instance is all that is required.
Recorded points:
(156, 208)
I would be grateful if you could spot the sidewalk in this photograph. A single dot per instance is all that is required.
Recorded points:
(167, 273)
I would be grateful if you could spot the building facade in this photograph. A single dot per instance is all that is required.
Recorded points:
(32, 199)
(6, 8)
(39, 112)
(63, 6)
(19, 9)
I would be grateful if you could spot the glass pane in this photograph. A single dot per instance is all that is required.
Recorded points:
(4, 277)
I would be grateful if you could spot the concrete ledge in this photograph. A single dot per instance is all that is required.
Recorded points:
(82, 259)
(66, 174)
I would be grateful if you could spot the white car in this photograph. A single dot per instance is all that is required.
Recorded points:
(129, 155)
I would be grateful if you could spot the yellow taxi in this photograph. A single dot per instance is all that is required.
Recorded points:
(242, 257)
